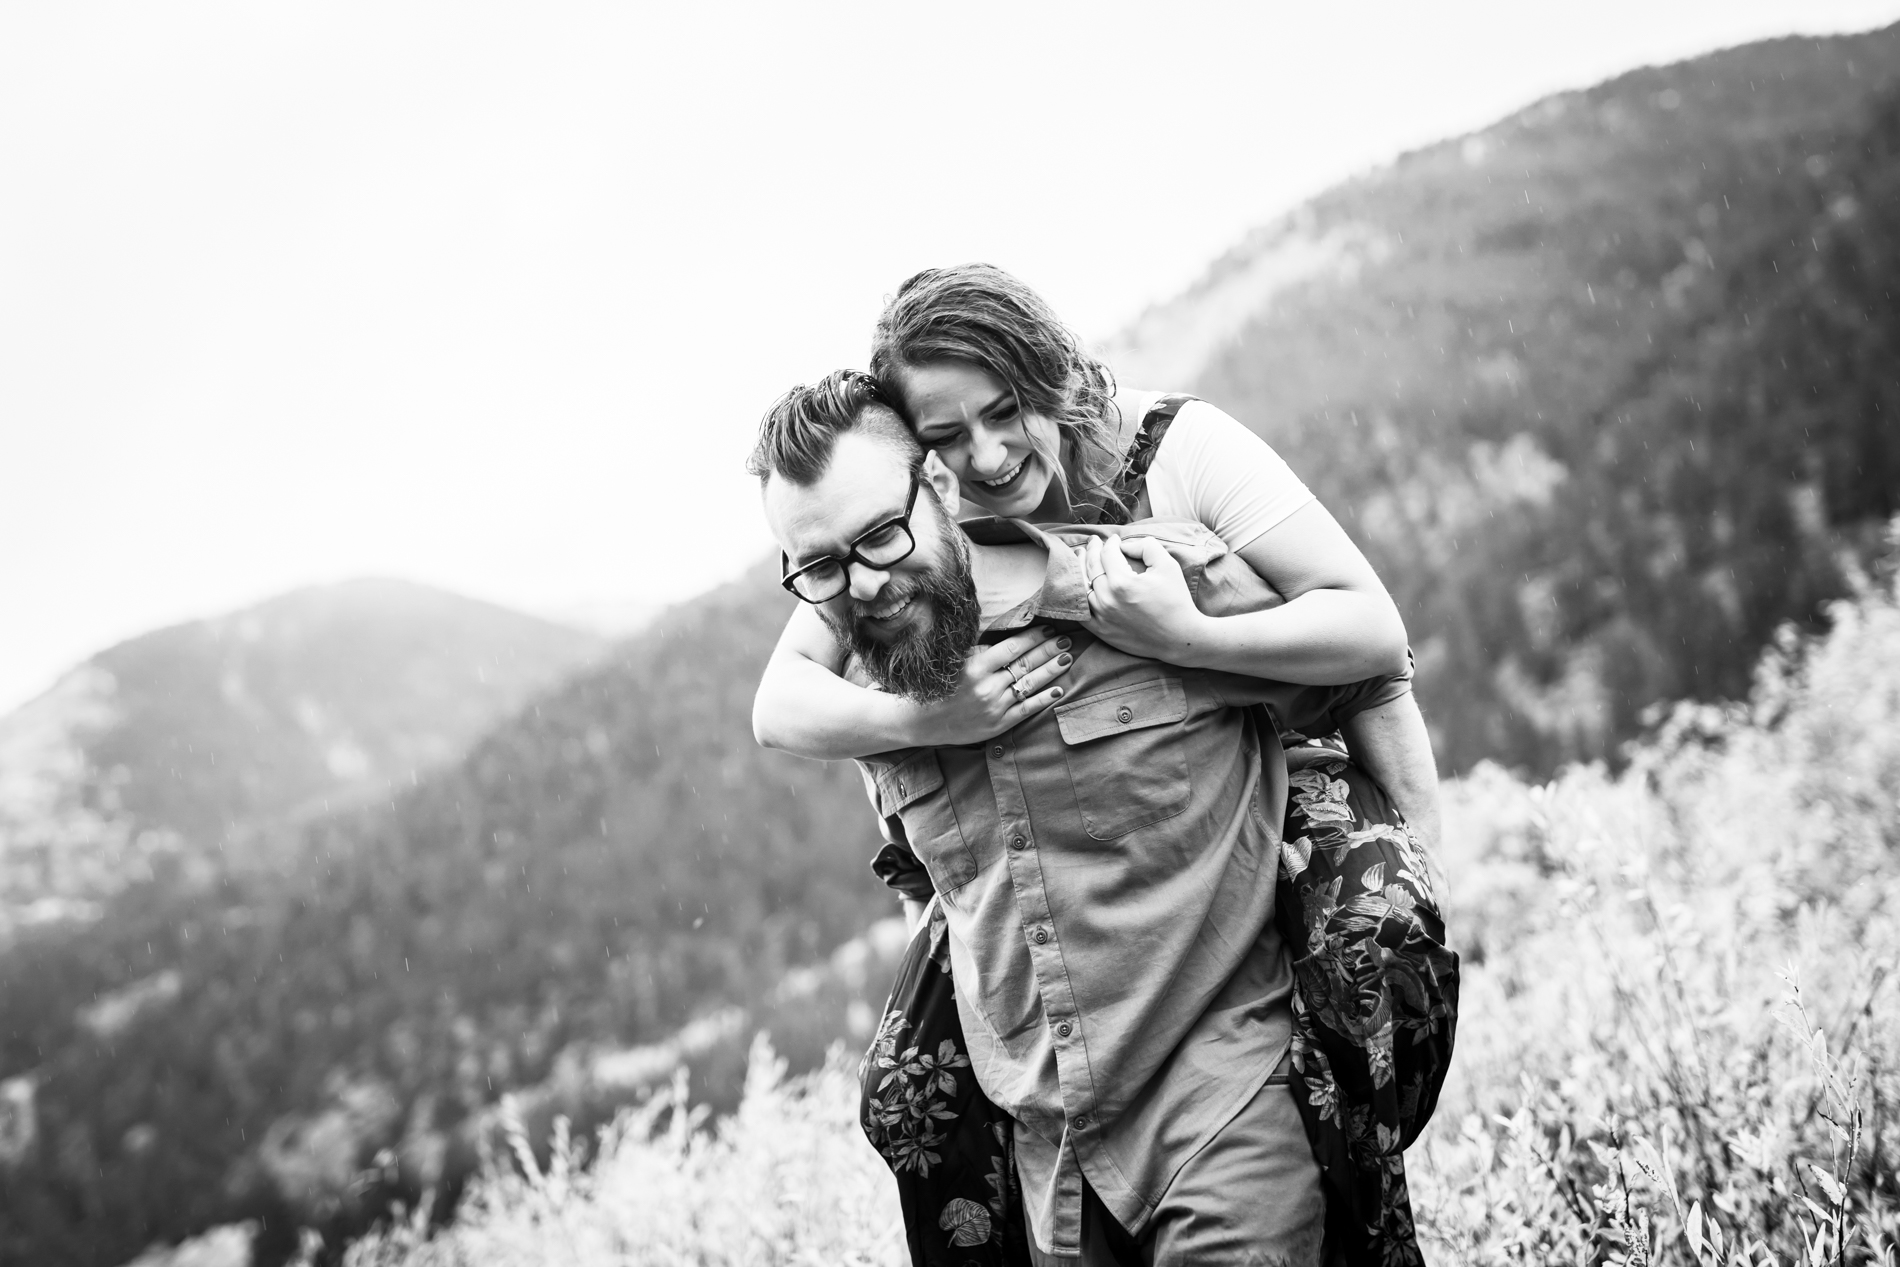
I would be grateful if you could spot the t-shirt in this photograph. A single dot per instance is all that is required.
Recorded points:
(1212, 469)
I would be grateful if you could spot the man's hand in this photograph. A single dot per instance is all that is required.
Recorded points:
(1147, 612)
(1002, 686)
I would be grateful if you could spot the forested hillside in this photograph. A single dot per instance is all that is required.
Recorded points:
(1604, 390)
(1607, 390)
(618, 859)
(155, 751)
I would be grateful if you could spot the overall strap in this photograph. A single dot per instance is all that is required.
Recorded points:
(1133, 480)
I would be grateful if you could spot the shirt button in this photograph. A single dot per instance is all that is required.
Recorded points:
(1082, 1123)
(997, 752)
(901, 789)
(1124, 715)
(1017, 842)
(1062, 1030)
(1042, 935)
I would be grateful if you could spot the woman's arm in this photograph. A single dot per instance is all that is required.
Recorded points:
(805, 708)
(1338, 624)
(1391, 743)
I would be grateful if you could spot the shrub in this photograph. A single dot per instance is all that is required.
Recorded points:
(1679, 1038)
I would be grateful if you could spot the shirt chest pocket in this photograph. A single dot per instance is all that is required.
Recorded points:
(1127, 756)
(912, 791)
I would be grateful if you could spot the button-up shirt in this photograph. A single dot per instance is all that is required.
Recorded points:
(1106, 870)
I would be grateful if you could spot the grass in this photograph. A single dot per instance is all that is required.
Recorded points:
(1679, 1038)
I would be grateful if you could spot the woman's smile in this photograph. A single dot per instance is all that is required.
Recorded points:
(1007, 481)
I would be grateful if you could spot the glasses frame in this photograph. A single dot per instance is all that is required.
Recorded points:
(844, 561)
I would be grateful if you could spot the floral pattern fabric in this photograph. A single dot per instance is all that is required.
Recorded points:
(1375, 998)
(948, 1146)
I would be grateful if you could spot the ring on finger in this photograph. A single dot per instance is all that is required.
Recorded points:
(1015, 674)
(1016, 689)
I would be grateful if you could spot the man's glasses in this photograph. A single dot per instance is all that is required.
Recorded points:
(825, 578)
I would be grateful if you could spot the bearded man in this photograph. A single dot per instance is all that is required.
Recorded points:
(1105, 869)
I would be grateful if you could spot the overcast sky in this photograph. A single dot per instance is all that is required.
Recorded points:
(492, 297)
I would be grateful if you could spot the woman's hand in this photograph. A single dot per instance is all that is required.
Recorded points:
(1003, 686)
(1148, 612)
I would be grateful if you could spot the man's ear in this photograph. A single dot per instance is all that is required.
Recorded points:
(943, 482)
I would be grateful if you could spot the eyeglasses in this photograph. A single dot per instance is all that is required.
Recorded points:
(823, 579)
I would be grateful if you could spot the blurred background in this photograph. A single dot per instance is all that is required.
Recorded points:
(385, 594)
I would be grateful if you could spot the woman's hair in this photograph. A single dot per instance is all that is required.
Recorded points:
(981, 316)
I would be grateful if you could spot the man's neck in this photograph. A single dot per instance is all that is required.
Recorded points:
(1005, 575)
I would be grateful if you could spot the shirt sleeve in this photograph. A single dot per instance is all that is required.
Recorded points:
(1312, 710)
(1212, 469)
(899, 868)
(895, 863)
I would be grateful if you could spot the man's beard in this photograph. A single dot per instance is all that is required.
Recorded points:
(924, 661)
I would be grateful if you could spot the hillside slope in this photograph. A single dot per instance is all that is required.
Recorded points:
(170, 742)
(1606, 391)
(616, 860)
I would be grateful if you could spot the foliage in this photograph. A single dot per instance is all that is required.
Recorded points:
(1679, 1042)
(616, 860)
(786, 1179)
(1607, 391)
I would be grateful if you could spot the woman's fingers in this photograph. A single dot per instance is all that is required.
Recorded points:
(1040, 654)
(1045, 672)
(1032, 705)
(1115, 564)
(998, 655)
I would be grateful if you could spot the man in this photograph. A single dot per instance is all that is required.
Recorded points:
(1106, 869)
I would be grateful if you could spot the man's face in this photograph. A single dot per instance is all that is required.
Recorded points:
(912, 622)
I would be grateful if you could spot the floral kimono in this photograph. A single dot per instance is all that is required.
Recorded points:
(1375, 997)
(949, 1147)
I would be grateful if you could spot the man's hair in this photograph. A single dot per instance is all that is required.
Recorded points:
(979, 315)
(800, 431)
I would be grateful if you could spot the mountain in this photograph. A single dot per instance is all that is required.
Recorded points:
(1606, 391)
(551, 914)
(1560, 377)
(170, 743)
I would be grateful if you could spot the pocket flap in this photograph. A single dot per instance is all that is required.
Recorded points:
(900, 784)
(1118, 711)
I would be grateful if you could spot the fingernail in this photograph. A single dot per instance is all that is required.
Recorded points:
(1056, 694)
(1063, 660)
(1064, 644)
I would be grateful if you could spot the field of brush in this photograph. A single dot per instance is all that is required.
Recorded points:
(1679, 1039)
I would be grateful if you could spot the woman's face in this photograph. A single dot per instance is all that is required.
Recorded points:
(969, 418)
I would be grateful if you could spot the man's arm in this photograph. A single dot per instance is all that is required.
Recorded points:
(1391, 743)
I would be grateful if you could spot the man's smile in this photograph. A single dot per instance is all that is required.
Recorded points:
(890, 609)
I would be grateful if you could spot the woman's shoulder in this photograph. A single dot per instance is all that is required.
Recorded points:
(1134, 404)
(1197, 421)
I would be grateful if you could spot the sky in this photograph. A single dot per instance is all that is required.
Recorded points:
(492, 297)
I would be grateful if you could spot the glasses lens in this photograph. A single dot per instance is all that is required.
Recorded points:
(887, 545)
(820, 584)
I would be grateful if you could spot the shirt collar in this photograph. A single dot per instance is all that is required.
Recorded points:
(1065, 591)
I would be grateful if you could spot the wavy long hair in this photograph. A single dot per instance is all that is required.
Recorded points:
(981, 316)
